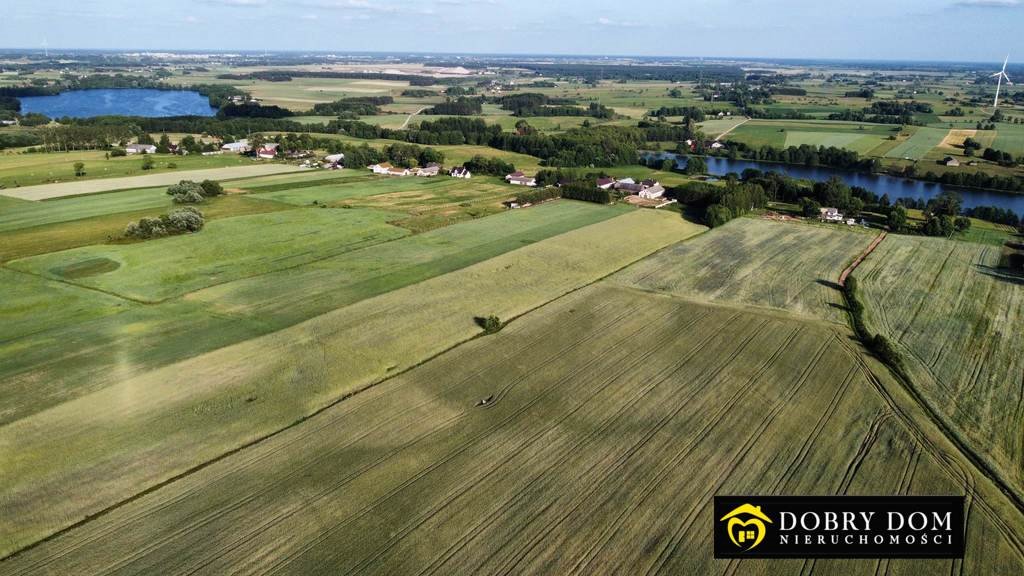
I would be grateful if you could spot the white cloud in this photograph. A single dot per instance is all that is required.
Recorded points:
(988, 3)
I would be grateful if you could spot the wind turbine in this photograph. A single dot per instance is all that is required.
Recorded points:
(46, 49)
(1002, 76)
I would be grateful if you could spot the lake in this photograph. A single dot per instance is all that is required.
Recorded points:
(122, 101)
(878, 183)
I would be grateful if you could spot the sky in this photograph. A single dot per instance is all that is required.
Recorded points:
(950, 30)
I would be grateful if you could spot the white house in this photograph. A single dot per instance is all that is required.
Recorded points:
(240, 147)
(393, 171)
(831, 215)
(652, 192)
(381, 168)
(460, 172)
(519, 179)
(140, 149)
(334, 159)
(717, 145)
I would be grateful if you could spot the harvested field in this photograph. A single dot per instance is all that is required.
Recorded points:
(790, 266)
(956, 318)
(919, 144)
(617, 415)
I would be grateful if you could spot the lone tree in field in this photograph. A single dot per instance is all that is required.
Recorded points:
(211, 188)
(79, 169)
(148, 163)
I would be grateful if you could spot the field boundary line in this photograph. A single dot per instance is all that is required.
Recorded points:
(867, 252)
(329, 405)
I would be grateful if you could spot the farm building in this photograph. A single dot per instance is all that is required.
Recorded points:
(831, 215)
(140, 149)
(460, 172)
(395, 171)
(239, 147)
(381, 168)
(268, 151)
(519, 179)
(652, 192)
(605, 183)
(950, 161)
(645, 189)
(431, 169)
(334, 161)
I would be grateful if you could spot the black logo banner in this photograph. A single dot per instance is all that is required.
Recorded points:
(839, 526)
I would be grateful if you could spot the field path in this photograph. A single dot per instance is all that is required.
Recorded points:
(64, 189)
(726, 133)
(409, 119)
(849, 269)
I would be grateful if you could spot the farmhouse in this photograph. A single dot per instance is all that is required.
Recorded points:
(140, 149)
(831, 215)
(605, 183)
(519, 179)
(649, 189)
(381, 168)
(334, 161)
(460, 172)
(268, 151)
(950, 161)
(652, 192)
(239, 147)
(431, 169)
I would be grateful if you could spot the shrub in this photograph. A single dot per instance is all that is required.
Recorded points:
(115, 152)
(211, 188)
(490, 324)
(186, 192)
(178, 221)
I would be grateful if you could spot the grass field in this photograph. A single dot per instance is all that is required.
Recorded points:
(34, 169)
(154, 424)
(615, 420)
(862, 137)
(955, 317)
(65, 189)
(1010, 138)
(787, 266)
(226, 250)
(919, 144)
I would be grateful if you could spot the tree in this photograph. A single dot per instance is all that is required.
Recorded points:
(148, 163)
(668, 164)
(164, 146)
(79, 169)
(948, 203)
(897, 219)
(696, 165)
(810, 207)
(186, 192)
(716, 215)
(211, 188)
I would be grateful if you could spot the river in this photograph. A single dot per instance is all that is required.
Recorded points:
(878, 183)
(120, 101)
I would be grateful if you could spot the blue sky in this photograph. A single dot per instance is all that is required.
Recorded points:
(978, 30)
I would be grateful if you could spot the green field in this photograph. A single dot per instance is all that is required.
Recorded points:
(919, 144)
(32, 169)
(1009, 138)
(241, 391)
(616, 416)
(955, 315)
(226, 250)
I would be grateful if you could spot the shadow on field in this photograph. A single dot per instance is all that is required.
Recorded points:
(830, 284)
(1002, 274)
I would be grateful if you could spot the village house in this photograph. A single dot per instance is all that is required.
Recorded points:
(831, 215)
(334, 161)
(268, 151)
(395, 171)
(381, 168)
(605, 183)
(460, 172)
(652, 192)
(952, 162)
(140, 149)
(649, 189)
(431, 169)
(239, 147)
(519, 179)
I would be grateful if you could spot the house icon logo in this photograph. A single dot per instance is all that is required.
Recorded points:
(746, 526)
